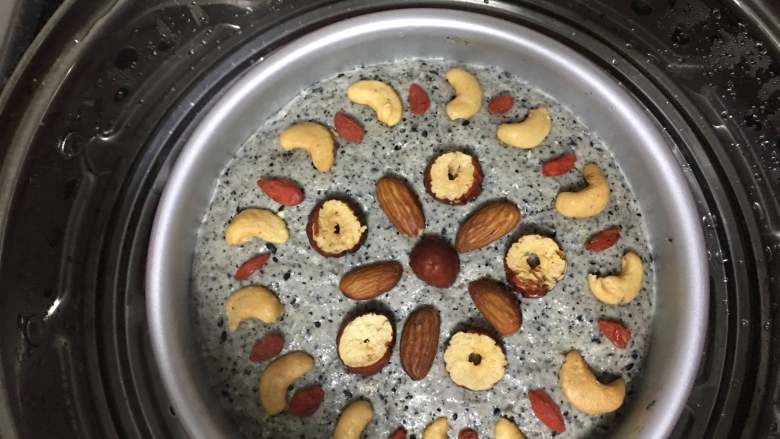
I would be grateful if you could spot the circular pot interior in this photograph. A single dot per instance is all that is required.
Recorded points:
(635, 139)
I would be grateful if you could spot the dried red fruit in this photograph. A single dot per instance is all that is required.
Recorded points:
(348, 128)
(281, 190)
(468, 433)
(435, 262)
(603, 240)
(266, 348)
(399, 433)
(559, 166)
(306, 401)
(500, 104)
(616, 332)
(546, 410)
(251, 265)
(418, 100)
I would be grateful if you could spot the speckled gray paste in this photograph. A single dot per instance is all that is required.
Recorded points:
(307, 283)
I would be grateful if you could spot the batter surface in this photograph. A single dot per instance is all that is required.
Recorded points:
(307, 283)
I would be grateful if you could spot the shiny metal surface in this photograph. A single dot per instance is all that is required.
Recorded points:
(636, 141)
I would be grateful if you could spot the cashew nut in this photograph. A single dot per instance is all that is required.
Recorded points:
(278, 376)
(252, 302)
(506, 429)
(437, 429)
(621, 288)
(353, 420)
(528, 133)
(380, 97)
(589, 201)
(315, 139)
(468, 94)
(585, 392)
(256, 223)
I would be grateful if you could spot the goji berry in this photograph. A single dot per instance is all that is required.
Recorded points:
(348, 128)
(251, 265)
(266, 348)
(616, 332)
(468, 433)
(559, 166)
(306, 401)
(603, 240)
(281, 190)
(418, 100)
(399, 433)
(547, 410)
(500, 104)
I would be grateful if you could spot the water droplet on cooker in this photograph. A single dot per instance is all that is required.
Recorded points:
(680, 37)
(767, 325)
(753, 120)
(744, 322)
(120, 94)
(759, 210)
(32, 329)
(70, 145)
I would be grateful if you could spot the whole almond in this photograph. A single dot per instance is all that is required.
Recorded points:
(420, 341)
(489, 223)
(401, 206)
(369, 281)
(497, 305)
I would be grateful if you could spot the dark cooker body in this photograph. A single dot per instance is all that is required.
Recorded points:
(94, 116)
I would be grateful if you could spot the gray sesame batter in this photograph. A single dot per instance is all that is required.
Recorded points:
(307, 283)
